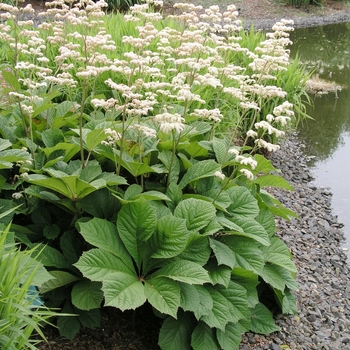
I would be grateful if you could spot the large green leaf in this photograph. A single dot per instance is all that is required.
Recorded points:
(249, 280)
(170, 238)
(11, 79)
(200, 170)
(189, 297)
(237, 298)
(89, 318)
(184, 271)
(197, 249)
(175, 334)
(219, 274)
(252, 229)
(270, 180)
(50, 256)
(163, 294)
(172, 164)
(231, 337)
(196, 212)
(4, 144)
(204, 338)
(94, 138)
(60, 278)
(278, 253)
(69, 186)
(136, 223)
(68, 326)
(262, 321)
(247, 253)
(267, 220)
(221, 147)
(51, 137)
(103, 234)
(224, 255)
(243, 202)
(100, 265)
(278, 277)
(219, 315)
(87, 295)
(124, 291)
(99, 204)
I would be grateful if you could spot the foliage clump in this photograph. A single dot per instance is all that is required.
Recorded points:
(131, 143)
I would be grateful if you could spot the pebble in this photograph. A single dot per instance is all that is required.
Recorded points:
(315, 239)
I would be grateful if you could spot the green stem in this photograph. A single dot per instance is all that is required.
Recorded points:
(81, 124)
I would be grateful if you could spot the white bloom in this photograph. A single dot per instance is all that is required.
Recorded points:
(220, 175)
(247, 173)
(270, 147)
(247, 161)
(17, 195)
(233, 151)
(252, 133)
(169, 122)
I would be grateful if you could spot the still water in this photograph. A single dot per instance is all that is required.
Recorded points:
(327, 138)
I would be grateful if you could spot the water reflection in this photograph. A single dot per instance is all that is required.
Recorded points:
(327, 51)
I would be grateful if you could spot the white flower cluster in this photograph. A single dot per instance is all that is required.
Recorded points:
(212, 114)
(169, 122)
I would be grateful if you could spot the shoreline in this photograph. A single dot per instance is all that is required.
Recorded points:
(265, 24)
(322, 321)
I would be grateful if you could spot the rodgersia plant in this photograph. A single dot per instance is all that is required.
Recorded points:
(135, 160)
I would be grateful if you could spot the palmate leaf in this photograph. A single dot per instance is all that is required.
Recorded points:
(137, 221)
(68, 326)
(58, 279)
(202, 169)
(270, 180)
(219, 274)
(247, 253)
(87, 295)
(278, 253)
(103, 234)
(99, 265)
(231, 337)
(252, 229)
(69, 186)
(196, 212)
(220, 147)
(224, 255)
(249, 280)
(204, 338)
(243, 202)
(175, 334)
(236, 295)
(124, 291)
(262, 321)
(195, 298)
(219, 315)
(170, 238)
(184, 271)
(172, 164)
(278, 277)
(197, 249)
(163, 294)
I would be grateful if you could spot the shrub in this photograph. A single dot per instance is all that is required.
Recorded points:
(132, 186)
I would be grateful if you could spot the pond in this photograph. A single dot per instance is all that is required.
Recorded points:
(327, 138)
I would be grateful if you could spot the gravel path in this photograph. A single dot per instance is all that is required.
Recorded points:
(323, 319)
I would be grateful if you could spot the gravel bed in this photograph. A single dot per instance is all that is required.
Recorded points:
(315, 238)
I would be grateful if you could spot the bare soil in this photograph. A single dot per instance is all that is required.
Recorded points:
(139, 330)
